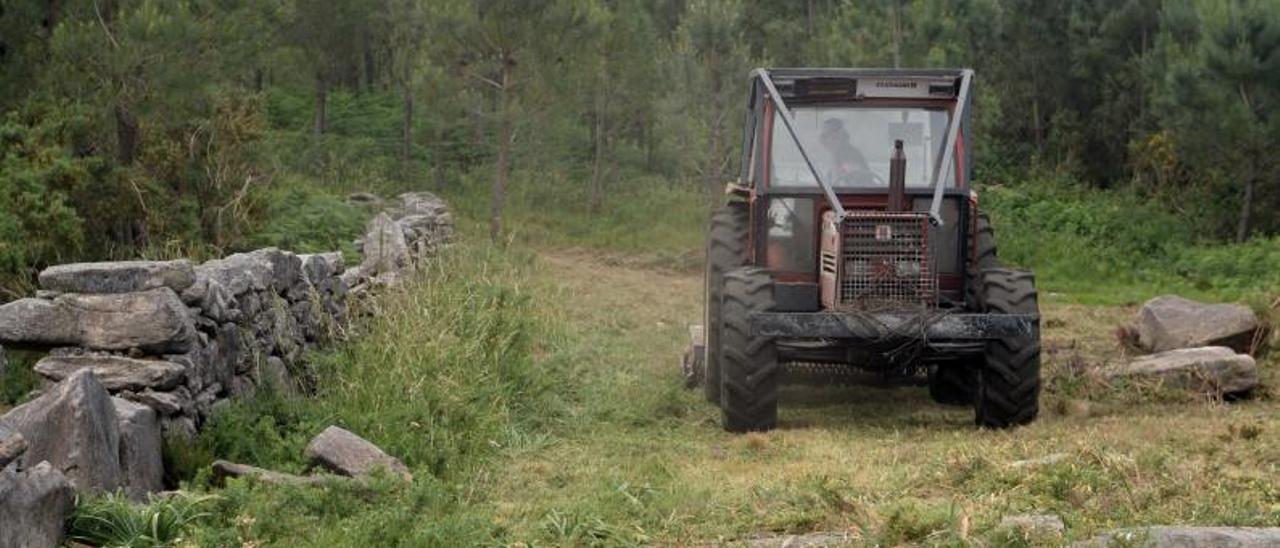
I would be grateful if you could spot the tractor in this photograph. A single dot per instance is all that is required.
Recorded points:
(852, 241)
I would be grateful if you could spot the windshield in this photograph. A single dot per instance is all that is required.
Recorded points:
(851, 147)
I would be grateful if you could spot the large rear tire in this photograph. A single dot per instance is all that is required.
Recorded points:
(750, 372)
(726, 250)
(1009, 379)
(984, 257)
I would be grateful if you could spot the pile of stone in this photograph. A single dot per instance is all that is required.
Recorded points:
(1201, 347)
(178, 337)
(144, 351)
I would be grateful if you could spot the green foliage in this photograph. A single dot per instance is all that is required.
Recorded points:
(113, 520)
(1117, 246)
(303, 219)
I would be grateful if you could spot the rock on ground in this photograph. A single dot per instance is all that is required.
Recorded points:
(140, 448)
(34, 504)
(118, 277)
(347, 454)
(1189, 537)
(154, 320)
(1170, 322)
(807, 540)
(1210, 370)
(73, 426)
(1052, 458)
(1035, 525)
(115, 372)
(223, 469)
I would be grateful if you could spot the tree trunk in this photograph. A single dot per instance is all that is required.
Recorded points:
(322, 98)
(504, 153)
(1246, 209)
(406, 146)
(437, 156)
(126, 135)
(597, 159)
(712, 175)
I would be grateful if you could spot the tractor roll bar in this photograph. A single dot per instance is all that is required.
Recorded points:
(789, 122)
(949, 150)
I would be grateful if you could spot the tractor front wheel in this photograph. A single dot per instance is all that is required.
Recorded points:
(1009, 377)
(749, 368)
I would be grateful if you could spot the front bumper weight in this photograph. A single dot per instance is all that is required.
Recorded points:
(879, 326)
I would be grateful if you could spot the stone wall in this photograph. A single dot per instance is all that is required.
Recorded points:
(178, 338)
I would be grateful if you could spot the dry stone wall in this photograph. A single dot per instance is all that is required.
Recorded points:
(140, 350)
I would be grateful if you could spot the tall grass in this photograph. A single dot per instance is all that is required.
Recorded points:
(455, 365)
(113, 520)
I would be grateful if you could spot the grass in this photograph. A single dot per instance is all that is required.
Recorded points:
(113, 520)
(531, 419)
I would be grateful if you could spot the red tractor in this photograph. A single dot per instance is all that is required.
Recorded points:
(853, 241)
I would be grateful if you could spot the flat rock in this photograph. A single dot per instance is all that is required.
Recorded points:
(34, 505)
(224, 469)
(347, 454)
(73, 426)
(1209, 370)
(1052, 458)
(239, 273)
(1035, 525)
(1170, 322)
(165, 403)
(807, 540)
(12, 445)
(115, 372)
(153, 321)
(118, 277)
(1189, 537)
(140, 448)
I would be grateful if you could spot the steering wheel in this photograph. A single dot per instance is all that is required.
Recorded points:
(860, 177)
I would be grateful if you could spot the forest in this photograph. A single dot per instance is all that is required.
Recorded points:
(159, 128)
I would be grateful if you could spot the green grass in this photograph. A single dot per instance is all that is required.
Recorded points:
(113, 520)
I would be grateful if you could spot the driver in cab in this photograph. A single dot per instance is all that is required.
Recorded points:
(846, 163)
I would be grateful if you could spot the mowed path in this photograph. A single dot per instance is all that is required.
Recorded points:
(641, 460)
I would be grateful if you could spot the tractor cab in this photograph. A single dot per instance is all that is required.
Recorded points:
(853, 175)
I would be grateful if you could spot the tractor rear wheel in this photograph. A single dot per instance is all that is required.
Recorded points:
(750, 372)
(984, 257)
(1009, 379)
(726, 250)
(952, 384)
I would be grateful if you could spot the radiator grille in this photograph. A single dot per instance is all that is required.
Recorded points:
(885, 261)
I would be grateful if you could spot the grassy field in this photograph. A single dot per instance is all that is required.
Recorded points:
(646, 462)
(535, 394)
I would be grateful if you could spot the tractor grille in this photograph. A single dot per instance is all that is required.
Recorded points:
(885, 261)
